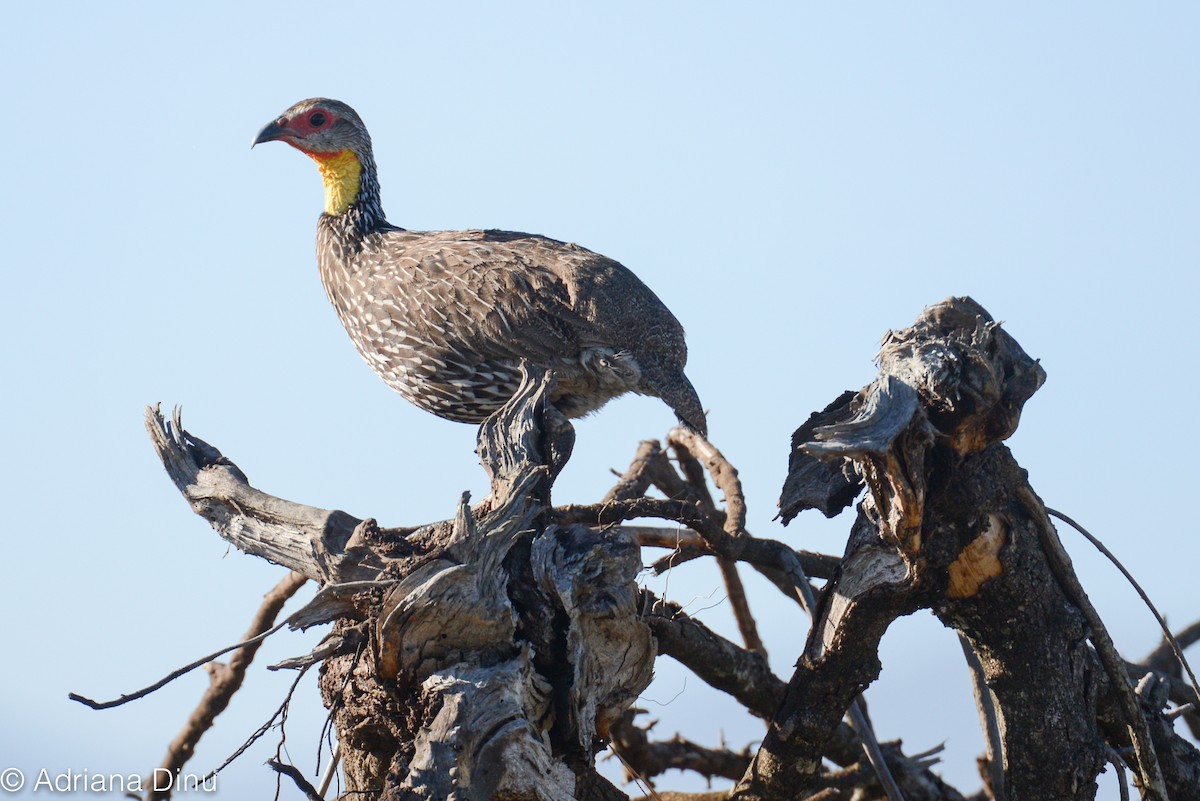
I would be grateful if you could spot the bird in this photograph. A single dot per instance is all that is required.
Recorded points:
(445, 318)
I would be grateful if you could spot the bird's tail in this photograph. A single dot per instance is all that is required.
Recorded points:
(673, 386)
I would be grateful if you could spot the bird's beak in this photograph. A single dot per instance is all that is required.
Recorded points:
(273, 131)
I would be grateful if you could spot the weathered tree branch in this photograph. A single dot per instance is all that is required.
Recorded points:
(493, 664)
(991, 766)
(323, 545)
(224, 681)
(943, 527)
(1152, 784)
(1163, 662)
(491, 654)
(696, 456)
(297, 778)
(743, 674)
(1163, 659)
(648, 759)
(839, 660)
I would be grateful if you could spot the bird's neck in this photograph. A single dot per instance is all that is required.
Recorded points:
(351, 187)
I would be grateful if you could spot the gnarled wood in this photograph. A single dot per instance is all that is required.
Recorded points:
(459, 691)
(944, 527)
(489, 655)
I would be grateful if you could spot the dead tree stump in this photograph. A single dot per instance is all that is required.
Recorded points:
(951, 524)
(483, 656)
(491, 655)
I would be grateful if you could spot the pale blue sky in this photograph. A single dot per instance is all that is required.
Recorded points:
(791, 179)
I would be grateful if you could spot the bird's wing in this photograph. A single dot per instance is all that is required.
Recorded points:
(493, 296)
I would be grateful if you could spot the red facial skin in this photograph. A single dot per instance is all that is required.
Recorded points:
(303, 126)
(296, 130)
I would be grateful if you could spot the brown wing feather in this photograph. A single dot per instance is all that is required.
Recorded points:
(445, 317)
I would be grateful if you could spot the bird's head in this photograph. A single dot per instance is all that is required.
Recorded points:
(333, 135)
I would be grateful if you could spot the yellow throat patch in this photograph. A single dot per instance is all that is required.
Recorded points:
(341, 172)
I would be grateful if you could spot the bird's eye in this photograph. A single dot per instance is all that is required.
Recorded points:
(317, 119)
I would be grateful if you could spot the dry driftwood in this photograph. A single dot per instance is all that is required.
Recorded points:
(493, 654)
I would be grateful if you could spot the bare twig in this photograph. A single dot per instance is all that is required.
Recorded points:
(645, 759)
(1178, 691)
(643, 782)
(634, 482)
(854, 776)
(327, 726)
(330, 771)
(687, 444)
(263, 729)
(735, 591)
(862, 726)
(691, 546)
(296, 776)
(1119, 766)
(724, 475)
(690, 468)
(325, 545)
(1167, 635)
(720, 663)
(730, 541)
(668, 795)
(331, 602)
(281, 749)
(170, 677)
(1160, 658)
(991, 722)
(725, 666)
(1179, 711)
(666, 537)
(225, 681)
(764, 554)
(692, 488)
